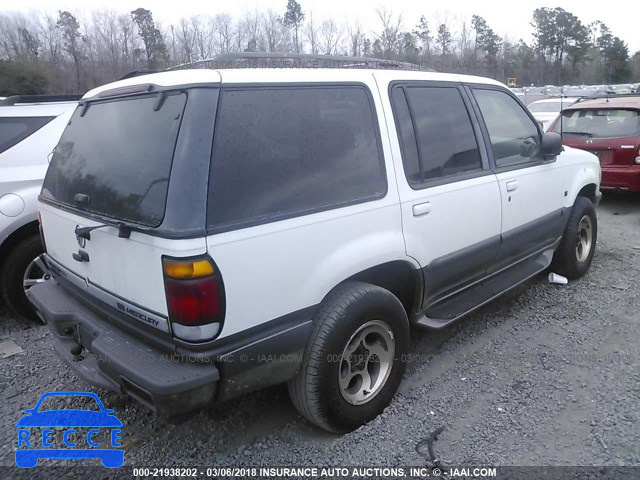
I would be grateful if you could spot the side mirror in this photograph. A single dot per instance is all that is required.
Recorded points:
(551, 145)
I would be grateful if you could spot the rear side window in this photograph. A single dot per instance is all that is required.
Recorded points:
(436, 133)
(119, 154)
(286, 151)
(599, 123)
(15, 129)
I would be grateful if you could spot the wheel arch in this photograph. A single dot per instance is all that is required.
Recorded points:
(21, 233)
(400, 277)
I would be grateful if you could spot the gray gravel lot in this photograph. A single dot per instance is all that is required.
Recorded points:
(548, 375)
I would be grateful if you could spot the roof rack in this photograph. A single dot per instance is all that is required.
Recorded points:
(17, 99)
(607, 96)
(296, 60)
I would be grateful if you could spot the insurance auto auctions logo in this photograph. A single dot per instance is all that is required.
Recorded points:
(46, 431)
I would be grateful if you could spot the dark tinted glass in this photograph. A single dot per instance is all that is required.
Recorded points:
(15, 129)
(514, 136)
(281, 152)
(443, 128)
(119, 154)
(407, 136)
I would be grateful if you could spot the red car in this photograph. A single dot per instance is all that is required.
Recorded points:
(609, 128)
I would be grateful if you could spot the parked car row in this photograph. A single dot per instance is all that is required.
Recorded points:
(30, 127)
(579, 90)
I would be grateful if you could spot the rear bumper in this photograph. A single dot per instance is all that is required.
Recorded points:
(112, 359)
(621, 178)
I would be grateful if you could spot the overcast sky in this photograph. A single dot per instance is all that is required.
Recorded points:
(510, 19)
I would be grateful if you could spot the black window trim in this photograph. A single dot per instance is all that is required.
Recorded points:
(483, 171)
(470, 87)
(266, 219)
(22, 138)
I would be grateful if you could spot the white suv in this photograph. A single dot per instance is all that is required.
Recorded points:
(30, 127)
(211, 232)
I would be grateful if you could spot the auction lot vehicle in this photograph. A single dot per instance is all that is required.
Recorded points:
(30, 127)
(547, 110)
(211, 232)
(610, 129)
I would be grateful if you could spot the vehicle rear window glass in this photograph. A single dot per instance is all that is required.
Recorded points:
(599, 123)
(15, 129)
(443, 129)
(286, 151)
(552, 107)
(119, 154)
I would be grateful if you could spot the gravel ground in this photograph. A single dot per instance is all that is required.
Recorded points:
(547, 375)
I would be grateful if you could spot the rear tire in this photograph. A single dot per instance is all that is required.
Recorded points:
(12, 276)
(355, 358)
(573, 257)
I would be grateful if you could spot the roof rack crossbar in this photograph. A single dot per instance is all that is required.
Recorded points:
(17, 99)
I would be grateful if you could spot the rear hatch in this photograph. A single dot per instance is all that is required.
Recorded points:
(612, 134)
(126, 155)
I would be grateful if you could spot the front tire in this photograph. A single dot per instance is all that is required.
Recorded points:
(22, 269)
(355, 358)
(575, 252)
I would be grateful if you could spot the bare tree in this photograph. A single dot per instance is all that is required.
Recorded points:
(311, 32)
(390, 36)
(329, 37)
(272, 28)
(224, 27)
(356, 39)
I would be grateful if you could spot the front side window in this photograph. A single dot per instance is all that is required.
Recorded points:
(286, 151)
(515, 138)
(15, 129)
(436, 133)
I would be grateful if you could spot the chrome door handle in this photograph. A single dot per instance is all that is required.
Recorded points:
(512, 185)
(421, 209)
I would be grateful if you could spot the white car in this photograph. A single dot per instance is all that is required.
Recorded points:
(547, 110)
(30, 127)
(212, 232)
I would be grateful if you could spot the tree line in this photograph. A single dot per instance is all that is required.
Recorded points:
(70, 52)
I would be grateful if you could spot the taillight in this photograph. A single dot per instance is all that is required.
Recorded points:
(195, 297)
(42, 241)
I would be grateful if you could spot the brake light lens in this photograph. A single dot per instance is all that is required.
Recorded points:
(195, 297)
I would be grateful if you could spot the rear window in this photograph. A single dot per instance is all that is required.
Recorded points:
(599, 123)
(286, 151)
(545, 107)
(15, 129)
(119, 154)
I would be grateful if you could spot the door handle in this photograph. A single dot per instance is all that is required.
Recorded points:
(421, 209)
(512, 185)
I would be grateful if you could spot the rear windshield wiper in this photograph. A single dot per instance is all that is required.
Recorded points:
(124, 230)
(584, 134)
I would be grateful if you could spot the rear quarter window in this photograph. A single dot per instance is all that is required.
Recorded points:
(287, 151)
(15, 129)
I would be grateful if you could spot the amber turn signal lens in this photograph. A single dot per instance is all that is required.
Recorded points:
(190, 269)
